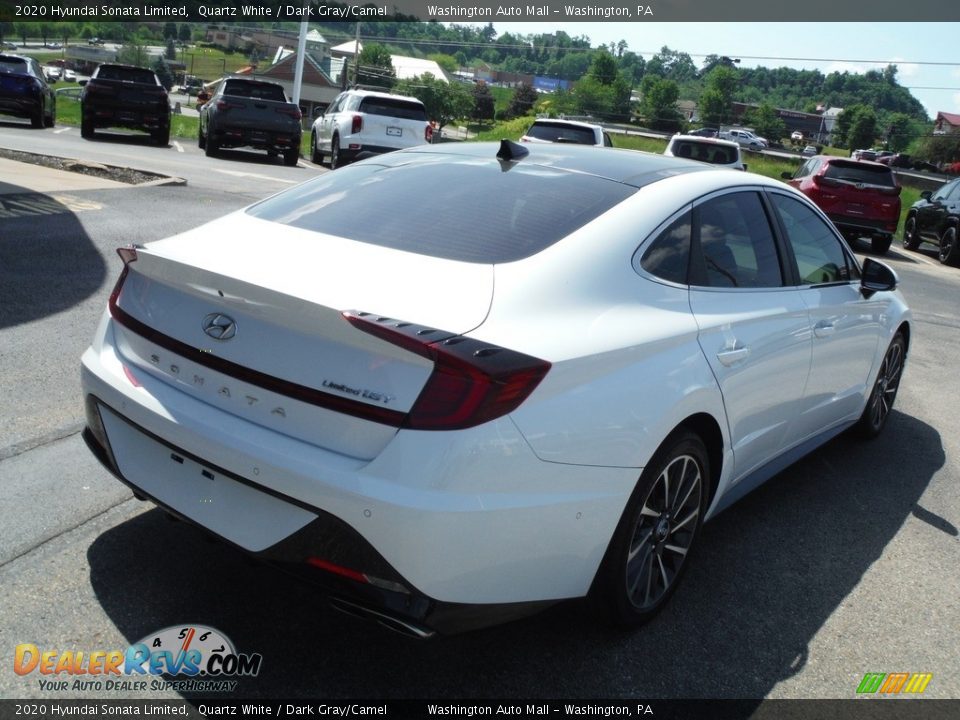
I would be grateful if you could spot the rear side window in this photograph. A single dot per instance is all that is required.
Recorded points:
(669, 255)
(856, 172)
(13, 64)
(704, 152)
(468, 210)
(561, 132)
(393, 107)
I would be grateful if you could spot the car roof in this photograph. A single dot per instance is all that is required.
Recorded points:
(711, 141)
(851, 161)
(630, 167)
(377, 93)
(571, 123)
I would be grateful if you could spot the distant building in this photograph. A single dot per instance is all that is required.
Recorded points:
(406, 68)
(946, 123)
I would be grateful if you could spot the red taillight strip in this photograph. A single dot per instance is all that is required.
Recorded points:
(312, 396)
(472, 381)
(356, 576)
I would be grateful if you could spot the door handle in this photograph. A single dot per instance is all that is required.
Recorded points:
(824, 328)
(734, 355)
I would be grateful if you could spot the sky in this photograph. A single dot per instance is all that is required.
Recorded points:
(824, 46)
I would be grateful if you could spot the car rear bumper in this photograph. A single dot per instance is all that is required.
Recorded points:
(470, 524)
(107, 116)
(20, 106)
(867, 226)
(256, 138)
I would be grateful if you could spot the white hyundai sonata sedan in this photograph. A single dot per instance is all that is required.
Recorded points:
(458, 383)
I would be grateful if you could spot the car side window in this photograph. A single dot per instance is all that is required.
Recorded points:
(951, 191)
(819, 253)
(734, 246)
(668, 256)
(607, 142)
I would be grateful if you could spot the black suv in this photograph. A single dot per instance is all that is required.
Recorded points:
(934, 219)
(125, 96)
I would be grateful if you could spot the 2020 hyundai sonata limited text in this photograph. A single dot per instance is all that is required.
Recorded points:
(454, 384)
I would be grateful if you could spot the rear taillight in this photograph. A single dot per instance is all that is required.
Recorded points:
(428, 133)
(356, 124)
(292, 112)
(227, 105)
(472, 382)
(95, 89)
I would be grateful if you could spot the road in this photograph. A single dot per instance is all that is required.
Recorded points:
(844, 564)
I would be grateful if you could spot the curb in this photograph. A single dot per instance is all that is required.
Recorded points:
(68, 165)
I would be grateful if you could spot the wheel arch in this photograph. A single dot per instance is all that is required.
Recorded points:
(706, 427)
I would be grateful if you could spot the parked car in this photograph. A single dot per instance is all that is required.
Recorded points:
(554, 130)
(52, 73)
(8, 46)
(69, 75)
(125, 96)
(884, 155)
(935, 219)
(860, 197)
(796, 136)
(365, 122)
(534, 388)
(870, 155)
(24, 91)
(809, 151)
(244, 112)
(707, 132)
(709, 150)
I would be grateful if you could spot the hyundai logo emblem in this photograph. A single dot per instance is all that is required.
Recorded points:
(219, 327)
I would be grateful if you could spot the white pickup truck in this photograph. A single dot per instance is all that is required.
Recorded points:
(368, 122)
(745, 138)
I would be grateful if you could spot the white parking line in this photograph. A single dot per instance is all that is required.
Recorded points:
(237, 173)
(62, 130)
(178, 146)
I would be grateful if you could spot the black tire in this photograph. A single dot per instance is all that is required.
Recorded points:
(290, 157)
(884, 392)
(911, 237)
(211, 147)
(161, 137)
(881, 243)
(949, 251)
(36, 120)
(51, 119)
(201, 139)
(316, 156)
(650, 548)
(335, 159)
(86, 128)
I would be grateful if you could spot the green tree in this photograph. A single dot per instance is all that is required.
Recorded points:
(857, 127)
(901, 131)
(658, 105)
(169, 31)
(716, 101)
(447, 62)
(132, 53)
(483, 102)
(162, 70)
(443, 101)
(522, 102)
(376, 66)
(185, 34)
(767, 123)
(171, 52)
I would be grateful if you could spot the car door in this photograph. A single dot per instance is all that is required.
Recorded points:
(932, 216)
(754, 328)
(845, 324)
(328, 121)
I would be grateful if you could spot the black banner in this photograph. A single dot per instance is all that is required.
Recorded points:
(860, 709)
(478, 11)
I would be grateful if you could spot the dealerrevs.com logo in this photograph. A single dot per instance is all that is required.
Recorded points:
(894, 683)
(199, 658)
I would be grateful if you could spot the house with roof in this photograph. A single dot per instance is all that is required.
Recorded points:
(946, 123)
(404, 66)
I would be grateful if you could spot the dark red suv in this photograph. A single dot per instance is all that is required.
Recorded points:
(861, 198)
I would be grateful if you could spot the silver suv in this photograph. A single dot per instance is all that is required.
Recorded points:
(369, 123)
(723, 153)
(567, 131)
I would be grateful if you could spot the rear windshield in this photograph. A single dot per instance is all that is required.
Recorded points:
(13, 64)
(393, 107)
(704, 152)
(258, 91)
(857, 172)
(465, 209)
(561, 132)
(127, 74)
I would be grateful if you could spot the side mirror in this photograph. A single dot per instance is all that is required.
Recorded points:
(82, 82)
(744, 167)
(786, 175)
(877, 277)
(317, 112)
(926, 194)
